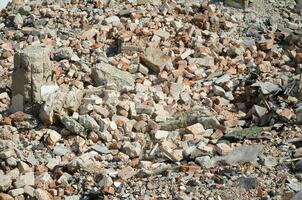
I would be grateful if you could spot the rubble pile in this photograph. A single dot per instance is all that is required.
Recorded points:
(151, 99)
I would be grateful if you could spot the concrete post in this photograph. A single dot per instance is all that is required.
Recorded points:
(33, 70)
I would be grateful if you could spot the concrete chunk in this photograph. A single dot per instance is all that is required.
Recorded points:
(105, 73)
(5, 182)
(155, 59)
(72, 125)
(32, 70)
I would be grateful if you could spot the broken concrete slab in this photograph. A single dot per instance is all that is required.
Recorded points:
(155, 59)
(104, 73)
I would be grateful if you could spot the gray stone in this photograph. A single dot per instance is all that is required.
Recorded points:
(25, 10)
(258, 111)
(247, 183)
(105, 181)
(175, 90)
(11, 161)
(177, 25)
(32, 70)
(63, 53)
(195, 115)
(105, 73)
(17, 103)
(294, 184)
(161, 135)
(26, 179)
(60, 150)
(5, 182)
(41, 194)
(14, 174)
(126, 12)
(29, 190)
(144, 2)
(73, 99)
(237, 3)
(133, 68)
(142, 69)
(142, 108)
(32, 160)
(299, 115)
(223, 79)
(248, 43)
(270, 161)
(16, 192)
(169, 151)
(235, 51)
(129, 48)
(5, 154)
(114, 20)
(53, 104)
(132, 149)
(6, 144)
(88, 122)
(155, 59)
(164, 35)
(15, 21)
(104, 135)
(73, 197)
(206, 61)
(52, 163)
(267, 87)
(206, 162)
(48, 89)
(101, 149)
(159, 95)
(219, 91)
(72, 125)
(298, 195)
(59, 102)
(81, 162)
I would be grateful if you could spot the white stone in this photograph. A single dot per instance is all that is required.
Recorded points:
(88, 122)
(26, 179)
(3, 3)
(5, 182)
(41, 194)
(160, 134)
(48, 89)
(114, 20)
(29, 190)
(16, 192)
